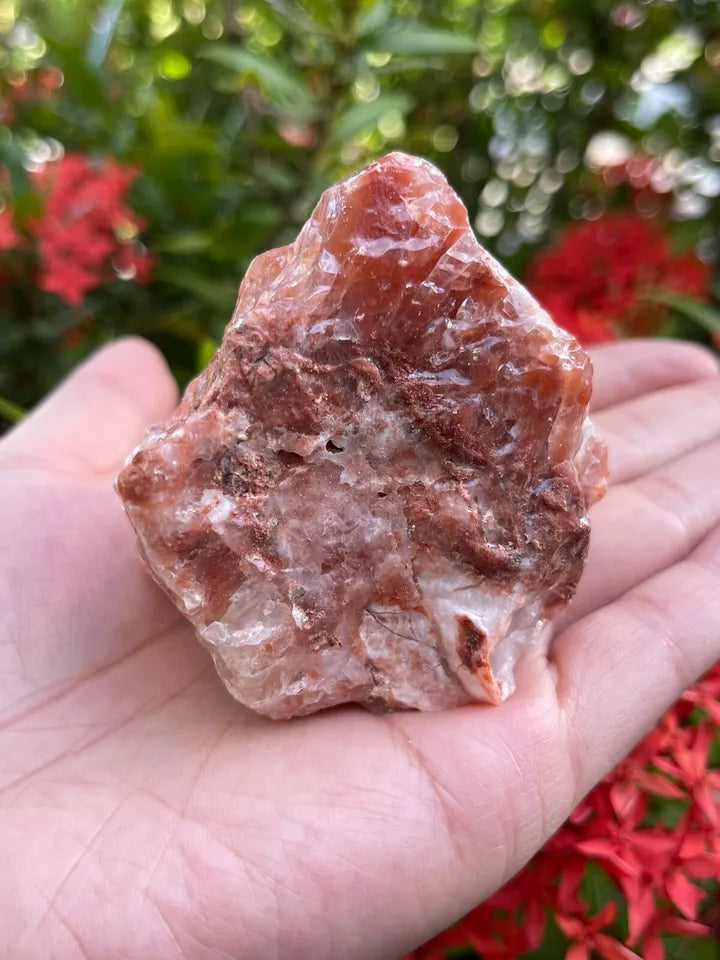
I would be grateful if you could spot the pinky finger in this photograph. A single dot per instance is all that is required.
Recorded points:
(621, 667)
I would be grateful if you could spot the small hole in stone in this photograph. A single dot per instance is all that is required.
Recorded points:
(333, 447)
(382, 493)
(289, 458)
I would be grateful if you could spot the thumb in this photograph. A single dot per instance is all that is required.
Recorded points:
(90, 423)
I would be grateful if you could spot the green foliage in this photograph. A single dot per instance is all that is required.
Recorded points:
(362, 117)
(707, 317)
(284, 87)
(418, 39)
(239, 114)
(11, 411)
(684, 948)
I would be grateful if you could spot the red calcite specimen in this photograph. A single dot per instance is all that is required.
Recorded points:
(378, 490)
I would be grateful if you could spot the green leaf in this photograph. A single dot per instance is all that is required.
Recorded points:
(285, 87)
(699, 948)
(172, 139)
(12, 156)
(714, 753)
(598, 889)
(11, 411)
(422, 64)
(460, 953)
(291, 17)
(183, 241)
(414, 38)
(708, 317)
(303, 17)
(372, 18)
(87, 82)
(26, 206)
(205, 351)
(361, 116)
(668, 811)
(220, 293)
(278, 176)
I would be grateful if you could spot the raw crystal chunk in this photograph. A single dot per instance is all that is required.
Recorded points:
(378, 489)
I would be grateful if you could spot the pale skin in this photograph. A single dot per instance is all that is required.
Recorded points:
(144, 814)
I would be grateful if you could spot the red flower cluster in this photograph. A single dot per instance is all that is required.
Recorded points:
(86, 234)
(593, 281)
(655, 866)
(86, 227)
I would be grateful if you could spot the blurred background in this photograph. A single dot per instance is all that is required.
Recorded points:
(150, 148)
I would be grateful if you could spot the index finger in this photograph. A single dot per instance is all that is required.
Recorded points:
(89, 424)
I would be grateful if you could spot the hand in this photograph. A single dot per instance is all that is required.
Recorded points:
(144, 814)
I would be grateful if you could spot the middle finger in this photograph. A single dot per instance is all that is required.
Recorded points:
(644, 526)
(648, 431)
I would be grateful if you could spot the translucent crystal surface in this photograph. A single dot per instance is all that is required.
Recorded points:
(378, 489)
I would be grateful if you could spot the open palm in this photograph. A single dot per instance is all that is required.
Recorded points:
(144, 814)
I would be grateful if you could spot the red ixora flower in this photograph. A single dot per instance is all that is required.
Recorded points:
(593, 280)
(651, 864)
(664, 921)
(706, 694)
(87, 233)
(586, 934)
(666, 860)
(689, 767)
(505, 939)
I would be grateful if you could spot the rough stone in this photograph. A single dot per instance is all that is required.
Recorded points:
(378, 489)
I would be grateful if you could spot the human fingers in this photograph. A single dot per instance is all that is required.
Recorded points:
(642, 527)
(74, 596)
(631, 368)
(622, 666)
(652, 429)
(91, 421)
